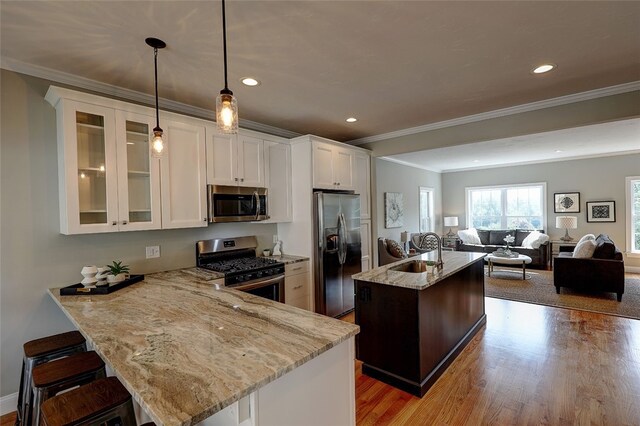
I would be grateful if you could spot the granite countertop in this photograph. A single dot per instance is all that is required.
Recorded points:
(185, 349)
(288, 258)
(453, 262)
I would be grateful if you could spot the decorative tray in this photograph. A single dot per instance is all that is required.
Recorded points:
(79, 289)
(510, 255)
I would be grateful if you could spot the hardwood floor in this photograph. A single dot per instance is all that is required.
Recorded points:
(8, 419)
(530, 365)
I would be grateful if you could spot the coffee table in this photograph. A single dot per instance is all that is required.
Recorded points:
(521, 259)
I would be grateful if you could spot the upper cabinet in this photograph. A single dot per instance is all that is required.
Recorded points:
(108, 180)
(235, 160)
(332, 166)
(362, 182)
(278, 171)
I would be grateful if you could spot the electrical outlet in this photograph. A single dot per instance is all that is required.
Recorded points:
(275, 239)
(153, 251)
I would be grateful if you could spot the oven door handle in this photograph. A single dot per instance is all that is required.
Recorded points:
(258, 284)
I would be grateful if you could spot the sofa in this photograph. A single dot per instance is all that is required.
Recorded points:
(603, 272)
(389, 251)
(492, 240)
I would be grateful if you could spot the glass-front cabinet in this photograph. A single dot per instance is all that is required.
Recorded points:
(110, 182)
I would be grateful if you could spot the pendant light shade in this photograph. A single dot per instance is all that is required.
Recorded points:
(226, 103)
(157, 143)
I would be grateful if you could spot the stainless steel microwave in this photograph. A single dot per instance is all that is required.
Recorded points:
(236, 203)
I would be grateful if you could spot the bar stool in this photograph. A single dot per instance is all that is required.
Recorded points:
(97, 402)
(40, 351)
(61, 374)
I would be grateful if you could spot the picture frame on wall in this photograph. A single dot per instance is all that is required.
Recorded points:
(601, 211)
(566, 202)
(393, 210)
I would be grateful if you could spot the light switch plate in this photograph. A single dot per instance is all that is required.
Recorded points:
(275, 239)
(153, 251)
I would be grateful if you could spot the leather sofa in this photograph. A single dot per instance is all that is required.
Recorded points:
(492, 240)
(604, 272)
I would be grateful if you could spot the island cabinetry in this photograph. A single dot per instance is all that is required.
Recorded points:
(297, 284)
(235, 160)
(332, 166)
(409, 336)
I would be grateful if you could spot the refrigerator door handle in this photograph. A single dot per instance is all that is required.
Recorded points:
(320, 224)
(342, 239)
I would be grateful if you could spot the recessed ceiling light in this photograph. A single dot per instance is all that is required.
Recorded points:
(559, 150)
(476, 161)
(351, 120)
(543, 68)
(250, 81)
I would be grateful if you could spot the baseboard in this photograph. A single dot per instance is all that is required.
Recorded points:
(634, 269)
(8, 403)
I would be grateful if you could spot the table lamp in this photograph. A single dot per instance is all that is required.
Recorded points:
(451, 221)
(404, 238)
(566, 222)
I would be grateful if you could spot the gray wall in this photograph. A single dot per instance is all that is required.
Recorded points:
(388, 176)
(596, 179)
(34, 255)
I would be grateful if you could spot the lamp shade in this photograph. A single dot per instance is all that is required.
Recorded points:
(566, 222)
(404, 236)
(451, 221)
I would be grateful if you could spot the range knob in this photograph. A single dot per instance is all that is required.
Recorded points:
(259, 274)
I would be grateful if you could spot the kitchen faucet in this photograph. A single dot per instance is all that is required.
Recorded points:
(439, 262)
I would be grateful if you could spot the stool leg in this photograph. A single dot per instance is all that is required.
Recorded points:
(34, 418)
(19, 415)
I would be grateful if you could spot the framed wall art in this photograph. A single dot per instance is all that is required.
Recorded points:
(393, 210)
(566, 202)
(601, 211)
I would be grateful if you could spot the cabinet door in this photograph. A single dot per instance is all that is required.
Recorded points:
(362, 183)
(365, 239)
(183, 181)
(222, 158)
(138, 174)
(278, 172)
(250, 161)
(343, 168)
(88, 172)
(323, 176)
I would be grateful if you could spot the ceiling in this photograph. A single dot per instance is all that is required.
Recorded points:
(392, 64)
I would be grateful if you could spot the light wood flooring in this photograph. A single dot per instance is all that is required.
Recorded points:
(530, 365)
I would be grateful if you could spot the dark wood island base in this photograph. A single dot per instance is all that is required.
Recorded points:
(409, 336)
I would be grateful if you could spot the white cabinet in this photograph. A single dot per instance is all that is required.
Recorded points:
(183, 185)
(365, 241)
(362, 182)
(332, 166)
(297, 284)
(108, 180)
(277, 158)
(235, 159)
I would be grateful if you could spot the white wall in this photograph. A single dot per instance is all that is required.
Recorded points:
(596, 179)
(34, 255)
(388, 176)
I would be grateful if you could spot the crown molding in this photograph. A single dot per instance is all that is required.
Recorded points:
(406, 163)
(130, 95)
(533, 106)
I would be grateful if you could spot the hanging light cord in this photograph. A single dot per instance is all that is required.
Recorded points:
(155, 62)
(224, 44)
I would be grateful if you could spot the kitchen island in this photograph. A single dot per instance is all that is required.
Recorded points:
(414, 322)
(190, 351)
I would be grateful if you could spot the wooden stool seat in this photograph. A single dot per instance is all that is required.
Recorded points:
(96, 402)
(61, 374)
(37, 352)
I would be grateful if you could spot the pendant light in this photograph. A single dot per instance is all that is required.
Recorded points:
(157, 144)
(226, 103)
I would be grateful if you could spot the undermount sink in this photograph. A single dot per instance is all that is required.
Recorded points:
(415, 266)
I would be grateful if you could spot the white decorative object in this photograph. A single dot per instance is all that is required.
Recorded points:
(102, 274)
(277, 249)
(88, 281)
(566, 222)
(89, 274)
(393, 210)
(587, 237)
(116, 278)
(469, 236)
(585, 249)
(266, 252)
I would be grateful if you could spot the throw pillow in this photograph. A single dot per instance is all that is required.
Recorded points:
(605, 248)
(496, 238)
(585, 249)
(587, 237)
(395, 249)
(542, 238)
(530, 239)
(469, 236)
(484, 236)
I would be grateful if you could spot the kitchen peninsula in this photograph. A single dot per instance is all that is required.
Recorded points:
(190, 351)
(414, 322)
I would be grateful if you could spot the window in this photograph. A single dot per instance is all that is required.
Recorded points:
(633, 215)
(507, 207)
(426, 209)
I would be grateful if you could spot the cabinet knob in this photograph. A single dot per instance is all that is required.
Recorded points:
(114, 223)
(241, 179)
(236, 179)
(297, 287)
(124, 222)
(338, 183)
(205, 219)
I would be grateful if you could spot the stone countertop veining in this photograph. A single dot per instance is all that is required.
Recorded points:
(186, 350)
(453, 262)
(288, 258)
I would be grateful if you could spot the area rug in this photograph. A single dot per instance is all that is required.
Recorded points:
(538, 288)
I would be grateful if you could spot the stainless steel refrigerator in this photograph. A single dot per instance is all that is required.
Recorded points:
(338, 251)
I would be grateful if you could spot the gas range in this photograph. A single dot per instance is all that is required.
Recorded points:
(236, 259)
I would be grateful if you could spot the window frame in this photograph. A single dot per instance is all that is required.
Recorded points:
(629, 213)
(469, 189)
(431, 192)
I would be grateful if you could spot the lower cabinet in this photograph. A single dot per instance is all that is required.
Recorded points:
(297, 288)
